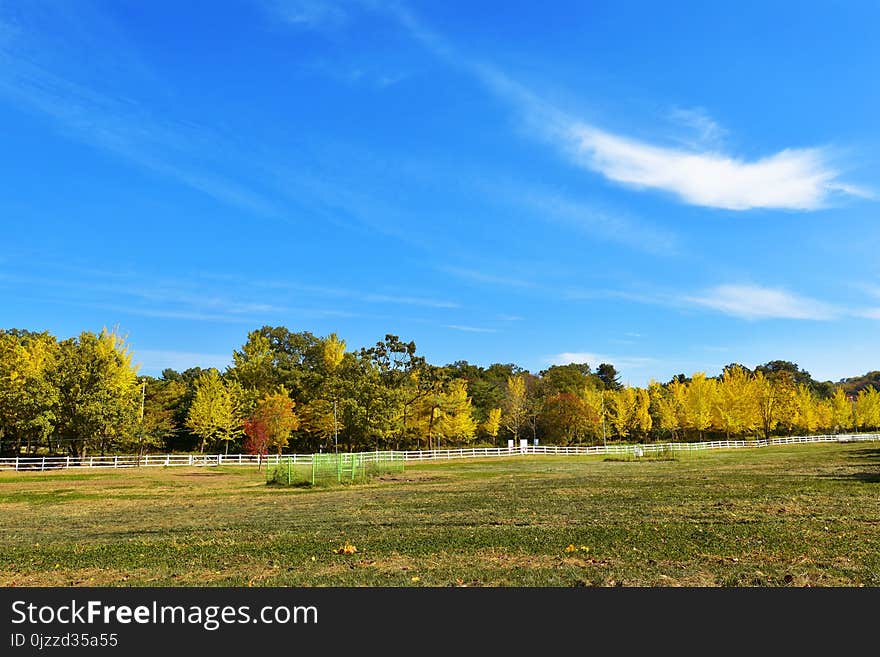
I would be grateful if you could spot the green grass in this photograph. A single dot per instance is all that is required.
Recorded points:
(805, 515)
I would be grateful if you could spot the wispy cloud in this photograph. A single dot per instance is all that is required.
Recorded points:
(477, 276)
(702, 130)
(59, 83)
(412, 301)
(312, 14)
(470, 329)
(793, 178)
(757, 302)
(603, 223)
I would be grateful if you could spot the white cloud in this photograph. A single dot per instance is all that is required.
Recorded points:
(793, 178)
(757, 302)
(469, 329)
(870, 313)
(413, 301)
(797, 179)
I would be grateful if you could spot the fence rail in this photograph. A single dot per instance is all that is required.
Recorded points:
(42, 463)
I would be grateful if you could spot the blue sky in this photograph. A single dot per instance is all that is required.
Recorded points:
(670, 187)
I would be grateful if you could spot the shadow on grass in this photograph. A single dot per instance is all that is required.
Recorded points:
(864, 457)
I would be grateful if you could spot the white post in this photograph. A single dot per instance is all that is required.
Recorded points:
(16, 464)
(115, 461)
(43, 465)
(68, 463)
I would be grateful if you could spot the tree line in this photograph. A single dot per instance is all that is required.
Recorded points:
(295, 391)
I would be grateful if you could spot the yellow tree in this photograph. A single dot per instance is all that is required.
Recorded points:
(824, 414)
(866, 410)
(641, 420)
(735, 410)
(699, 402)
(456, 421)
(622, 406)
(596, 408)
(514, 405)
(662, 405)
(841, 410)
(492, 424)
(766, 399)
(332, 352)
(678, 393)
(807, 415)
(787, 403)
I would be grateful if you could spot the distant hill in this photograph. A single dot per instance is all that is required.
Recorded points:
(856, 383)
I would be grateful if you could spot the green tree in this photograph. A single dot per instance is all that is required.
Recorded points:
(156, 426)
(318, 419)
(98, 392)
(609, 376)
(212, 414)
(28, 393)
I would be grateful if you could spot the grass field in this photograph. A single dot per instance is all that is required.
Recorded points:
(805, 515)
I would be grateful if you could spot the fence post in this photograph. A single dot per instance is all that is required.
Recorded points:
(43, 464)
(16, 464)
(115, 461)
(67, 465)
(190, 459)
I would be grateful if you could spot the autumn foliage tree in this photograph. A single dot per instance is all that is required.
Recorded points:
(275, 412)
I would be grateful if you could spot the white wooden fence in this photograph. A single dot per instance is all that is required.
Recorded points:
(167, 460)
